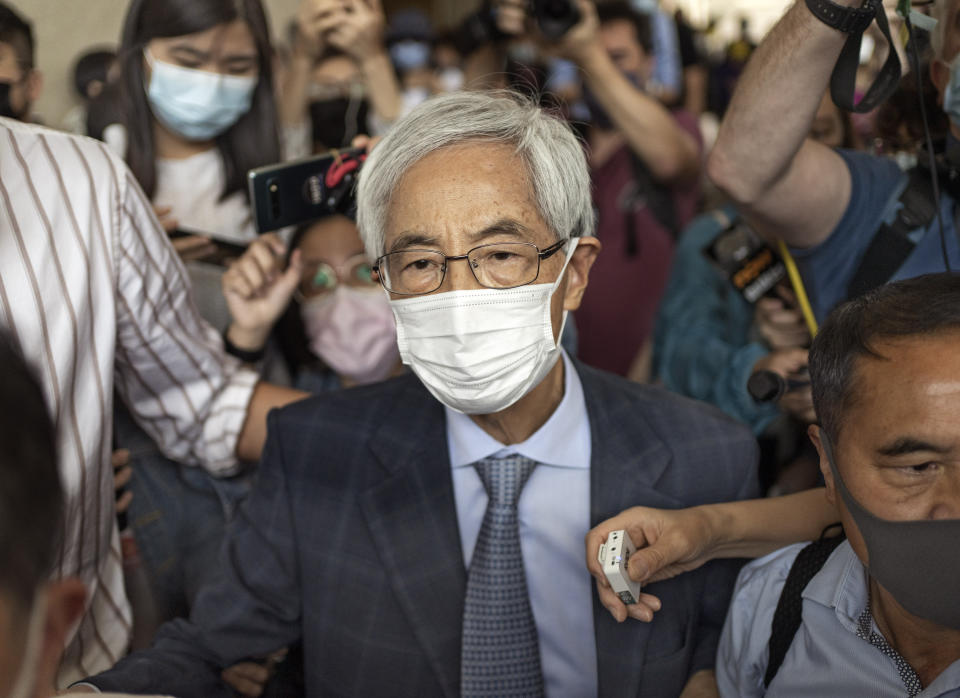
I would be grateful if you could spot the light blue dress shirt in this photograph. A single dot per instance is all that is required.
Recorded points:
(827, 659)
(554, 515)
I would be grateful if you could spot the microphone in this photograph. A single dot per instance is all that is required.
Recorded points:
(751, 266)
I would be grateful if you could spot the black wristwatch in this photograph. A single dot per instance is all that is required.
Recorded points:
(246, 356)
(849, 20)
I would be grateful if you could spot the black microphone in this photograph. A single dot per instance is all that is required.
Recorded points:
(767, 386)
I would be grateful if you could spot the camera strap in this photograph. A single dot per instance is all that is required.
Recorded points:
(853, 21)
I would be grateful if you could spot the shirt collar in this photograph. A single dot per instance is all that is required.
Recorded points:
(563, 440)
(841, 584)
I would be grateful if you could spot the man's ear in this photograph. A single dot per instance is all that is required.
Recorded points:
(814, 432)
(66, 601)
(34, 87)
(578, 271)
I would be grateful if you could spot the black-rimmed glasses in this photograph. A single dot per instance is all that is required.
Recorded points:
(497, 265)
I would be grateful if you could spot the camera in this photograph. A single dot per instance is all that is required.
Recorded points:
(555, 17)
(297, 192)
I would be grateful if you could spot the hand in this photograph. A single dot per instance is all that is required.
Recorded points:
(584, 37)
(669, 543)
(249, 678)
(510, 16)
(167, 221)
(789, 364)
(258, 290)
(121, 478)
(367, 143)
(355, 27)
(780, 322)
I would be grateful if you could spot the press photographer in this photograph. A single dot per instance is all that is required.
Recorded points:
(855, 220)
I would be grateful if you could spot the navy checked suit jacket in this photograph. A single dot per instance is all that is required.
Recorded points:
(350, 543)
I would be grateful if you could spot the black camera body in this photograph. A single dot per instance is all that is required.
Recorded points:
(555, 17)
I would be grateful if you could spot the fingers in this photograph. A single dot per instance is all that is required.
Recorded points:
(645, 608)
(122, 475)
(250, 275)
(123, 503)
(648, 561)
(366, 142)
(247, 678)
(193, 247)
(120, 458)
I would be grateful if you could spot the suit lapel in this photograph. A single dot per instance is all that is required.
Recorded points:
(411, 513)
(627, 460)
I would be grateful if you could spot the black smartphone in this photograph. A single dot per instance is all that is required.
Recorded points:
(296, 192)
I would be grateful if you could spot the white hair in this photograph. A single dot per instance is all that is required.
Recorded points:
(553, 155)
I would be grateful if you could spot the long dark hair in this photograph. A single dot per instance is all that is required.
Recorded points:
(249, 143)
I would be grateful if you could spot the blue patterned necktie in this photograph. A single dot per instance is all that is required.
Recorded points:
(500, 653)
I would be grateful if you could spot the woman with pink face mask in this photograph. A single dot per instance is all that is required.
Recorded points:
(329, 317)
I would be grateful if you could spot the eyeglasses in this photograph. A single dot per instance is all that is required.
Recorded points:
(321, 277)
(497, 265)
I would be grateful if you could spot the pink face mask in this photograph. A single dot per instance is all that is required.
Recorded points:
(352, 330)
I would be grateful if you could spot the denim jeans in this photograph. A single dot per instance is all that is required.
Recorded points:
(179, 515)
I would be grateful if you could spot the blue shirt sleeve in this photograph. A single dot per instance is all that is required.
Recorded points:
(828, 268)
(743, 653)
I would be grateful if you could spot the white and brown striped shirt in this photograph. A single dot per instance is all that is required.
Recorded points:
(91, 289)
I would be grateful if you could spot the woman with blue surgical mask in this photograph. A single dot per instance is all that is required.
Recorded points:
(197, 93)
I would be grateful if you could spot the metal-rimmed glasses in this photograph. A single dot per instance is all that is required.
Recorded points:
(499, 265)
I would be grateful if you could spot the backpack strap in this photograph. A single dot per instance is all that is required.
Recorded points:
(892, 245)
(788, 616)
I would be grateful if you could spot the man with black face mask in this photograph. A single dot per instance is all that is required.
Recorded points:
(644, 162)
(339, 78)
(882, 615)
(20, 81)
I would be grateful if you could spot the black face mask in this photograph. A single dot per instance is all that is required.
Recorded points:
(337, 121)
(6, 107)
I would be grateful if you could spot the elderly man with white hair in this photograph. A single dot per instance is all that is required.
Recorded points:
(424, 536)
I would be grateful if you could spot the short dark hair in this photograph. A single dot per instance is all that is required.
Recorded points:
(617, 11)
(31, 499)
(18, 32)
(924, 305)
(90, 66)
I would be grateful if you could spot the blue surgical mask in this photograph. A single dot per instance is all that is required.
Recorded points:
(951, 96)
(197, 104)
(410, 55)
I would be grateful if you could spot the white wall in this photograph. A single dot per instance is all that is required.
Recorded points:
(65, 28)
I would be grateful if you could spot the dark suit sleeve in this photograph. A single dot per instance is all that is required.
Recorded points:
(721, 575)
(252, 609)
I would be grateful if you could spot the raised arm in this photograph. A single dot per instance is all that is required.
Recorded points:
(653, 134)
(786, 185)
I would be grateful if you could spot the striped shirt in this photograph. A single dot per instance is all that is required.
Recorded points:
(96, 297)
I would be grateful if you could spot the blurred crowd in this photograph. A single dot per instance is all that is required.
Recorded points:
(163, 326)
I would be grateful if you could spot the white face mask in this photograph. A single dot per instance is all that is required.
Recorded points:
(24, 686)
(480, 351)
